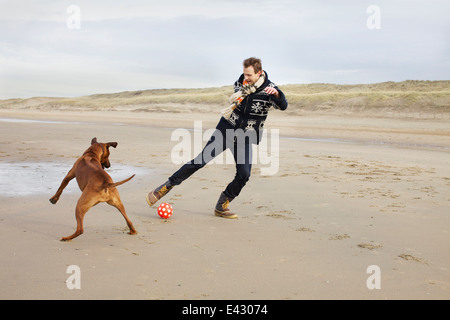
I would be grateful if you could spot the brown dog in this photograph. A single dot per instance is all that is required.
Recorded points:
(96, 185)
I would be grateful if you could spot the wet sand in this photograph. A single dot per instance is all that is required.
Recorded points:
(349, 193)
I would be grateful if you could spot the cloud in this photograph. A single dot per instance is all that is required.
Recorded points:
(152, 44)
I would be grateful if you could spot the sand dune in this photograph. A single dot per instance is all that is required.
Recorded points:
(408, 99)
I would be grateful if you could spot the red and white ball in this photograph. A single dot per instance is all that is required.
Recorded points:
(165, 210)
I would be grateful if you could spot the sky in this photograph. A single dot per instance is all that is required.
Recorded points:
(82, 47)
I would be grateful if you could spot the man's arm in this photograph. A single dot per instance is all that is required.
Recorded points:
(238, 83)
(278, 97)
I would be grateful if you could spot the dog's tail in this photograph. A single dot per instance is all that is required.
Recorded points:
(115, 184)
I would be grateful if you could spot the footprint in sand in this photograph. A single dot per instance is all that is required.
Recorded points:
(304, 229)
(409, 257)
(370, 246)
(339, 237)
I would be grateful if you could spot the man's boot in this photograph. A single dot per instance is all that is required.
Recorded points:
(153, 196)
(222, 210)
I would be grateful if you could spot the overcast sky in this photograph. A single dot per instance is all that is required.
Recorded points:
(136, 45)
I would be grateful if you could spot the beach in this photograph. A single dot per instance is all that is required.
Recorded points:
(348, 192)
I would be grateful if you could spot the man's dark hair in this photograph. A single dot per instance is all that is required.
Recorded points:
(254, 62)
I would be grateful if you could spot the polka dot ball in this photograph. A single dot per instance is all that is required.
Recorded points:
(165, 210)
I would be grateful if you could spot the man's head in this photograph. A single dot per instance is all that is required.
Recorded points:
(252, 69)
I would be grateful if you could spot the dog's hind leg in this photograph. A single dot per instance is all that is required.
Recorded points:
(116, 202)
(83, 205)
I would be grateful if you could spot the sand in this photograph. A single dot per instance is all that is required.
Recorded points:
(349, 193)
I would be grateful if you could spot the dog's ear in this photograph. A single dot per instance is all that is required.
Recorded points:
(111, 144)
(94, 140)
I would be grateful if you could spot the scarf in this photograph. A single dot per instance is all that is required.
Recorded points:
(240, 95)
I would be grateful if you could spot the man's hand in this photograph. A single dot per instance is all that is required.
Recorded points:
(272, 91)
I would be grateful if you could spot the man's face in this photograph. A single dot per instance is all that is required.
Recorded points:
(250, 75)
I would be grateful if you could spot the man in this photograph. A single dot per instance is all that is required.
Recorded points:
(239, 127)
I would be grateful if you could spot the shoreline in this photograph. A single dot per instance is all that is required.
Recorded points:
(313, 139)
(408, 133)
